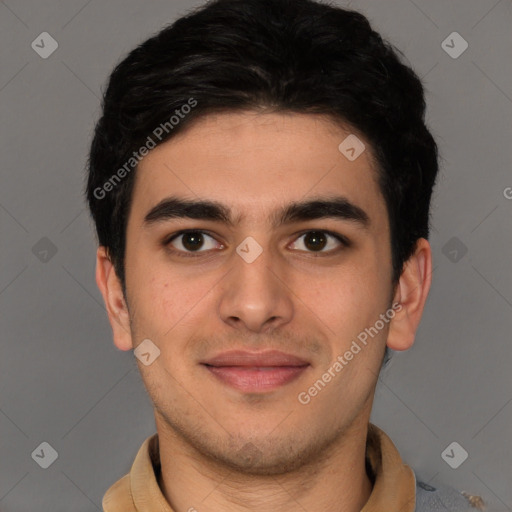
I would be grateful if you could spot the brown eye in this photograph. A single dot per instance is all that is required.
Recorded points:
(317, 241)
(191, 241)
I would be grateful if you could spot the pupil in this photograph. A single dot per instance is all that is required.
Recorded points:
(314, 239)
(192, 241)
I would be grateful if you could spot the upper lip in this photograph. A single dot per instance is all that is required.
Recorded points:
(255, 359)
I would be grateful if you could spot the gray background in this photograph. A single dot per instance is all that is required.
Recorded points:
(62, 381)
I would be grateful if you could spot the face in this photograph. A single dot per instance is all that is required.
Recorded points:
(306, 284)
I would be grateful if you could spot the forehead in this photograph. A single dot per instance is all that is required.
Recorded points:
(253, 162)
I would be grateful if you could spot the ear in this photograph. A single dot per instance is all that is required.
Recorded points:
(117, 309)
(410, 295)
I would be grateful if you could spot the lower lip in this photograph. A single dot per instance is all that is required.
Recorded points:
(256, 379)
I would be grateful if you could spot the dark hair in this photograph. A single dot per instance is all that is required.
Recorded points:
(270, 56)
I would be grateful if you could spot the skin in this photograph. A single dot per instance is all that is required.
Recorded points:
(291, 298)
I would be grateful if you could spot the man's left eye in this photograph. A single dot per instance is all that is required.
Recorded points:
(317, 241)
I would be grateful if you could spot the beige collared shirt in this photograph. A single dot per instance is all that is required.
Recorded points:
(394, 488)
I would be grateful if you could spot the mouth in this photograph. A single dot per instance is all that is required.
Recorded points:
(253, 372)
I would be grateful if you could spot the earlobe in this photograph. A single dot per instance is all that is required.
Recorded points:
(411, 293)
(111, 290)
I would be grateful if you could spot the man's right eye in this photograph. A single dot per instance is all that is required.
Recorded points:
(187, 242)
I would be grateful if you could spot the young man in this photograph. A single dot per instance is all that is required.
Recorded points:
(260, 180)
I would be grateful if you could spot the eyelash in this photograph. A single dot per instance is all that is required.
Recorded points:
(167, 241)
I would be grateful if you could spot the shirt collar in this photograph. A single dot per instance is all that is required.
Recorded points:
(394, 483)
(394, 487)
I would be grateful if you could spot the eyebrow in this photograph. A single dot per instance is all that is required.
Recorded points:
(337, 207)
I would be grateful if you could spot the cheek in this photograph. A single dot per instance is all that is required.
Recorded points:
(350, 308)
(170, 304)
(168, 301)
(353, 299)
(164, 297)
(156, 301)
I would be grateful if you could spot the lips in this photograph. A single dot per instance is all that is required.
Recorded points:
(268, 358)
(256, 371)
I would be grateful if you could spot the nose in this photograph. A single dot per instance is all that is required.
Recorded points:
(255, 295)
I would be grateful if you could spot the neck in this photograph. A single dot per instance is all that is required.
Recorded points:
(336, 481)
